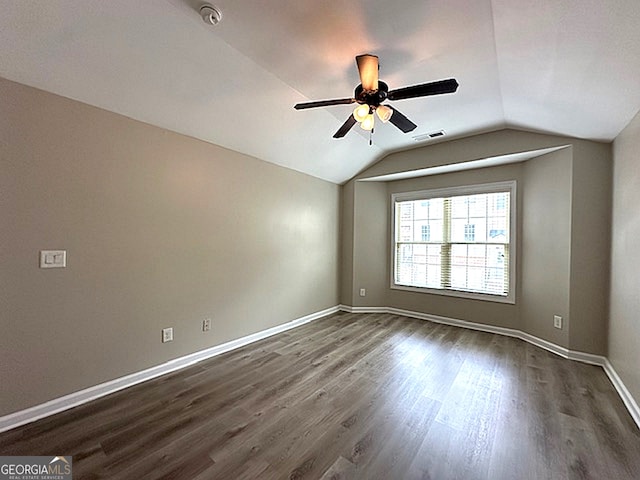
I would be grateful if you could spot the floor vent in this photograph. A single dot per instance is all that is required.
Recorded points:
(429, 136)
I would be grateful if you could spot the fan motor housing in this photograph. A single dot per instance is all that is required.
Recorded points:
(371, 97)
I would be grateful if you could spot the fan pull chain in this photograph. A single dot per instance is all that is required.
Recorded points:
(371, 137)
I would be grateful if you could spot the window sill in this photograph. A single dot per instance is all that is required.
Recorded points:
(457, 293)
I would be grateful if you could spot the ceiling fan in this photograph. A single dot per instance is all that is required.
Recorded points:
(372, 92)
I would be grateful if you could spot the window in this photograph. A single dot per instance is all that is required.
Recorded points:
(456, 241)
(426, 233)
(469, 232)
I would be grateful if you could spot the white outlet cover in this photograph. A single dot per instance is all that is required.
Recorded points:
(167, 335)
(557, 321)
(53, 258)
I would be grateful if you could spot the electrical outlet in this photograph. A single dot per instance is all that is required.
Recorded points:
(363, 292)
(167, 335)
(53, 258)
(206, 325)
(557, 321)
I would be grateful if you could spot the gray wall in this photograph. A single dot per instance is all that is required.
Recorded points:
(624, 312)
(161, 230)
(546, 264)
(346, 231)
(590, 246)
(563, 198)
(371, 241)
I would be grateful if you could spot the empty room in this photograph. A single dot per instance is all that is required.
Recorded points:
(320, 240)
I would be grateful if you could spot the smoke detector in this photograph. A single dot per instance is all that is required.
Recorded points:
(210, 14)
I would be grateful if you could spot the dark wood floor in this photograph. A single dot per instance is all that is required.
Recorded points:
(354, 396)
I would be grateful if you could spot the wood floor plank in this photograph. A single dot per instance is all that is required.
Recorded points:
(509, 457)
(354, 396)
(342, 469)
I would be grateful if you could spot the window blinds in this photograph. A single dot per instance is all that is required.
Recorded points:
(457, 242)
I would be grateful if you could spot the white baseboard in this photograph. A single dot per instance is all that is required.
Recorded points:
(66, 402)
(509, 332)
(624, 393)
(74, 399)
(583, 357)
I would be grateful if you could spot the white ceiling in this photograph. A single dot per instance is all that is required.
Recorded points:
(569, 67)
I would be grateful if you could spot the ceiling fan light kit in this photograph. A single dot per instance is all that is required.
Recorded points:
(361, 112)
(384, 113)
(368, 122)
(372, 92)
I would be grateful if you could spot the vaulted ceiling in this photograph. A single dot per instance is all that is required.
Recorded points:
(570, 67)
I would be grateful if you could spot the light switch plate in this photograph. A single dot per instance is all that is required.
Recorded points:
(53, 258)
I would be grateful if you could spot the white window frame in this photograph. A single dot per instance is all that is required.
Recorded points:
(507, 186)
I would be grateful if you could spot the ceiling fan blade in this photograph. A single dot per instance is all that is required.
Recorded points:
(434, 88)
(346, 126)
(402, 122)
(324, 103)
(368, 69)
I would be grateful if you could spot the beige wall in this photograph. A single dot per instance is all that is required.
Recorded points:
(546, 246)
(371, 241)
(476, 147)
(624, 312)
(346, 231)
(562, 201)
(161, 230)
(590, 246)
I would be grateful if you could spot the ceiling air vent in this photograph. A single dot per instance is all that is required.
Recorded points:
(429, 136)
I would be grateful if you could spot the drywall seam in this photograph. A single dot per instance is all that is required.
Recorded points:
(80, 397)
(598, 360)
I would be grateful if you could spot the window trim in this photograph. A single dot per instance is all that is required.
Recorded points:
(505, 186)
